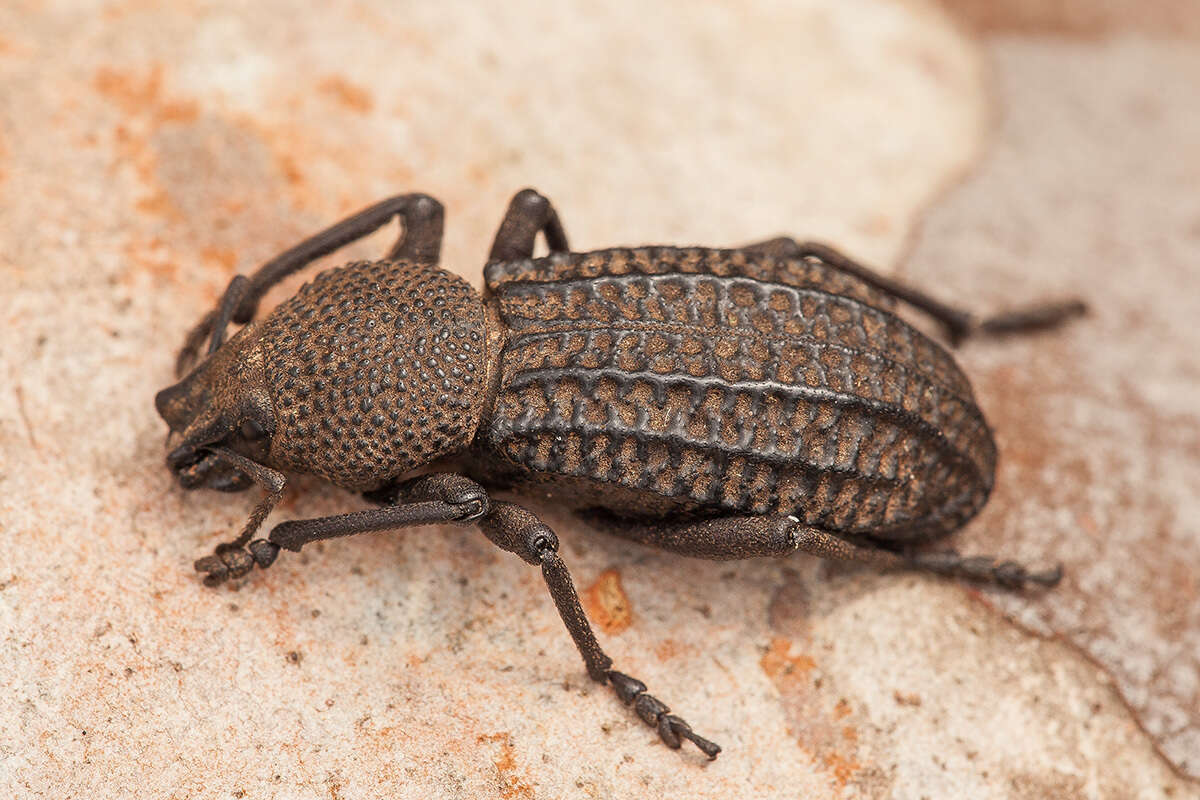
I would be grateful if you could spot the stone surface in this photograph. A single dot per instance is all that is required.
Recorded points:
(147, 155)
(1089, 186)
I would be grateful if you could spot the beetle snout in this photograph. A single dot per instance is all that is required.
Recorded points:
(196, 468)
(183, 457)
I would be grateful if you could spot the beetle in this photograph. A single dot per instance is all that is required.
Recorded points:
(721, 404)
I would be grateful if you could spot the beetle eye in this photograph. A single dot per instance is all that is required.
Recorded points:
(253, 430)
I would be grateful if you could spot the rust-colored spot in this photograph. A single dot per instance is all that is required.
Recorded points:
(842, 709)
(843, 768)
(130, 92)
(290, 169)
(668, 649)
(219, 256)
(140, 99)
(134, 93)
(152, 255)
(784, 668)
(607, 604)
(512, 785)
(178, 111)
(355, 98)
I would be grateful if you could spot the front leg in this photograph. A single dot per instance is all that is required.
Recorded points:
(231, 559)
(420, 241)
(425, 500)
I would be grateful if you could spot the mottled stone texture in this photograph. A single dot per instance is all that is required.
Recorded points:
(148, 153)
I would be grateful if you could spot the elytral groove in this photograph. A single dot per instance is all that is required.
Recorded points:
(588, 379)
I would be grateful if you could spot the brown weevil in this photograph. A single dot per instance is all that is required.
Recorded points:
(721, 404)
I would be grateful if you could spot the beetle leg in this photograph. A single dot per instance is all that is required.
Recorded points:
(230, 559)
(224, 313)
(420, 241)
(737, 537)
(446, 497)
(426, 500)
(518, 531)
(528, 214)
(959, 324)
(985, 569)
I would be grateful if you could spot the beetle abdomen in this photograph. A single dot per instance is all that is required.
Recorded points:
(738, 395)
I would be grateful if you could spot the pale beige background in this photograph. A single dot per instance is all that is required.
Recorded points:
(994, 152)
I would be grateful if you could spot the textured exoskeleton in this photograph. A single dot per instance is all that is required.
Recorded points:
(717, 403)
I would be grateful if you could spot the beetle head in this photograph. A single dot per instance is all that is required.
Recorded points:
(223, 402)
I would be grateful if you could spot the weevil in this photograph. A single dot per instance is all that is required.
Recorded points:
(723, 404)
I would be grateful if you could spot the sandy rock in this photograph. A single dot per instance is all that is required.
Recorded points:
(146, 155)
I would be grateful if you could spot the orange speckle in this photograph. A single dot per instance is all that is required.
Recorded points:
(178, 112)
(153, 256)
(843, 768)
(842, 709)
(850, 733)
(511, 784)
(355, 98)
(607, 604)
(231, 206)
(219, 256)
(782, 667)
(667, 649)
(130, 92)
(140, 99)
(156, 202)
(291, 170)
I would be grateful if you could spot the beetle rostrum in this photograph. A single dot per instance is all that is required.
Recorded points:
(717, 403)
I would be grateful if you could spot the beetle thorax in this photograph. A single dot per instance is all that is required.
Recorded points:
(374, 368)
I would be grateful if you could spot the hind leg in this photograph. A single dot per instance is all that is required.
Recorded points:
(723, 538)
(958, 322)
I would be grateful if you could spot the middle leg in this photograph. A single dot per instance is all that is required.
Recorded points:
(529, 213)
(517, 530)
